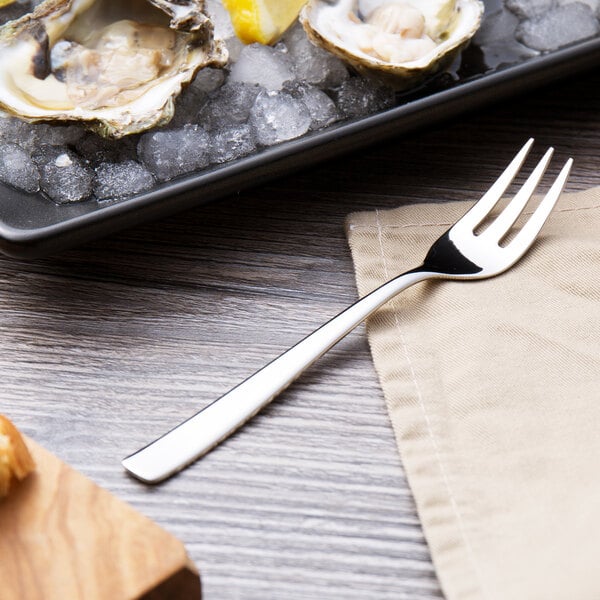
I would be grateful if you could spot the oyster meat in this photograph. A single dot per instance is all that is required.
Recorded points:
(402, 41)
(116, 65)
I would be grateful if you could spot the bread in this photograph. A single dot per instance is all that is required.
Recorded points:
(15, 461)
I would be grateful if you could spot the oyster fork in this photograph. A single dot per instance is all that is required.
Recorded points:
(461, 253)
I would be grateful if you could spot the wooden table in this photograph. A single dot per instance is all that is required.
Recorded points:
(104, 347)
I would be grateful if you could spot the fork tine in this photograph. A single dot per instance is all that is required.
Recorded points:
(525, 238)
(506, 219)
(482, 208)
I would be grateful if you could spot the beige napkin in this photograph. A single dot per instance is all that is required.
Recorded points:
(493, 390)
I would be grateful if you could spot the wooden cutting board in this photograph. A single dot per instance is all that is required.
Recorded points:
(62, 537)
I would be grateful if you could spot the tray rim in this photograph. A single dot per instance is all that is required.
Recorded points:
(270, 163)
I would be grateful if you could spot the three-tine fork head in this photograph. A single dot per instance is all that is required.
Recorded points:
(486, 249)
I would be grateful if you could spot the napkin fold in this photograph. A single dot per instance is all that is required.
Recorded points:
(493, 388)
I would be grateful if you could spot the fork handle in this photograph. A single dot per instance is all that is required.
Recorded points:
(200, 433)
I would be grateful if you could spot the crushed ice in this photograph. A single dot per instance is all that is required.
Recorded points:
(266, 96)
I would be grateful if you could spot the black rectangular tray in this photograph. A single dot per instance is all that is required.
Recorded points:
(32, 226)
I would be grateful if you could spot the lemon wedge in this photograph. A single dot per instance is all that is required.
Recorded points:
(262, 21)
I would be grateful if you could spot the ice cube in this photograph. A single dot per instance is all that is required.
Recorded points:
(496, 38)
(18, 169)
(262, 65)
(321, 107)
(311, 64)
(58, 135)
(207, 80)
(558, 27)
(278, 116)
(187, 105)
(220, 18)
(496, 27)
(64, 177)
(358, 97)
(15, 131)
(229, 105)
(168, 154)
(525, 9)
(593, 4)
(96, 149)
(119, 180)
(232, 142)
(234, 47)
(191, 100)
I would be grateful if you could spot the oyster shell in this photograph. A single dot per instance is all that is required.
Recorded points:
(116, 65)
(401, 41)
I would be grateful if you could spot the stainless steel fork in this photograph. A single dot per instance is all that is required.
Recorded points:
(461, 253)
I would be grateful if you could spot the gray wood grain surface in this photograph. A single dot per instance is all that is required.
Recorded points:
(104, 347)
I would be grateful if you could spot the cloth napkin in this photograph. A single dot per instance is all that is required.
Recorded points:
(493, 391)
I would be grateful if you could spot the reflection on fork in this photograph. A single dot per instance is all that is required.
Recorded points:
(462, 253)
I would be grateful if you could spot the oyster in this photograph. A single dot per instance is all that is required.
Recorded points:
(402, 41)
(116, 65)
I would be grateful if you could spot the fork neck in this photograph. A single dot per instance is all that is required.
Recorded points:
(445, 257)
